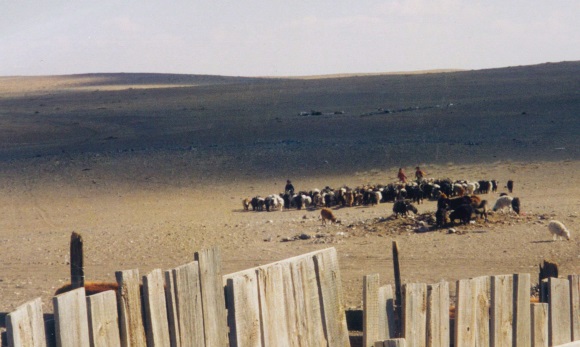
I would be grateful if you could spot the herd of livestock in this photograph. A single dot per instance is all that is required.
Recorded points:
(456, 200)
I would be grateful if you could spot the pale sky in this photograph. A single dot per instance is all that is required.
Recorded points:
(282, 37)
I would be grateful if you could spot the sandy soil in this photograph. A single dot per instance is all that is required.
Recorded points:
(147, 186)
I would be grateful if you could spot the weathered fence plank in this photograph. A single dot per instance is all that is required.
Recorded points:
(71, 320)
(415, 314)
(575, 305)
(334, 316)
(465, 315)
(482, 308)
(212, 296)
(77, 269)
(522, 333)
(155, 309)
(244, 310)
(386, 313)
(272, 306)
(502, 294)
(438, 315)
(559, 311)
(539, 324)
(189, 307)
(171, 301)
(370, 310)
(103, 319)
(130, 314)
(391, 343)
(308, 311)
(25, 326)
(292, 316)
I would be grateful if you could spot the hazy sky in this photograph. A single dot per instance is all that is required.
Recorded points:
(280, 38)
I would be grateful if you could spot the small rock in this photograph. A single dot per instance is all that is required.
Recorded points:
(304, 237)
(451, 231)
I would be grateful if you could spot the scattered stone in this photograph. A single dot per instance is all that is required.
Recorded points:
(451, 231)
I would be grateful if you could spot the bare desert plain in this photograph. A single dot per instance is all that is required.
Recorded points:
(150, 168)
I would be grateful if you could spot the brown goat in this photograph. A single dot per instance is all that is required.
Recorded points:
(326, 214)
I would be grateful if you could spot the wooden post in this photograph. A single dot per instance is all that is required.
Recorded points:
(129, 304)
(415, 314)
(370, 310)
(502, 296)
(272, 306)
(522, 333)
(482, 307)
(103, 319)
(539, 315)
(575, 305)
(559, 311)
(465, 318)
(155, 309)
(77, 270)
(398, 295)
(189, 306)
(25, 325)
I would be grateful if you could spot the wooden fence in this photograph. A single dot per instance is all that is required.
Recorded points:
(294, 302)
(490, 311)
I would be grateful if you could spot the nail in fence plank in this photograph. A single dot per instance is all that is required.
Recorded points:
(482, 308)
(25, 326)
(370, 310)
(386, 313)
(465, 318)
(170, 299)
(575, 308)
(438, 315)
(308, 311)
(155, 309)
(272, 306)
(103, 319)
(212, 296)
(189, 307)
(415, 314)
(539, 318)
(71, 320)
(522, 333)
(501, 331)
(334, 317)
(130, 314)
(391, 343)
(559, 311)
(244, 310)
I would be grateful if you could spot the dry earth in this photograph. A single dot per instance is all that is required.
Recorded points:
(151, 173)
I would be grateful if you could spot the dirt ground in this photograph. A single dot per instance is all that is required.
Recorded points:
(146, 193)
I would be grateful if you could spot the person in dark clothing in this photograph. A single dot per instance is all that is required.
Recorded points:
(289, 188)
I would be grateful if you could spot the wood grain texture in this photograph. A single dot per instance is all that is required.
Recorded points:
(71, 320)
(103, 319)
(25, 325)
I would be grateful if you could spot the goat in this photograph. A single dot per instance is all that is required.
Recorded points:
(327, 215)
(462, 213)
(403, 207)
(558, 230)
(503, 202)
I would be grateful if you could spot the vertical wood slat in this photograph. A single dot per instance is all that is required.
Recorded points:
(370, 310)
(330, 284)
(309, 312)
(272, 306)
(244, 310)
(539, 324)
(575, 305)
(293, 328)
(391, 343)
(130, 311)
(212, 295)
(171, 301)
(103, 319)
(155, 309)
(25, 325)
(482, 310)
(522, 318)
(71, 320)
(77, 270)
(415, 314)
(386, 313)
(438, 315)
(501, 311)
(465, 318)
(560, 330)
(189, 307)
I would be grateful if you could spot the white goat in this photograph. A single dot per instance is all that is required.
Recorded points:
(503, 202)
(558, 230)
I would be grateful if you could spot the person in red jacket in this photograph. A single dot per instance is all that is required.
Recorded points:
(401, 175)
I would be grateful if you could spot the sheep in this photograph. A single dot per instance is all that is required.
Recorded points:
(327, 215)
(402, 207)
(503, 202)
(274, 202)
(558, 230)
